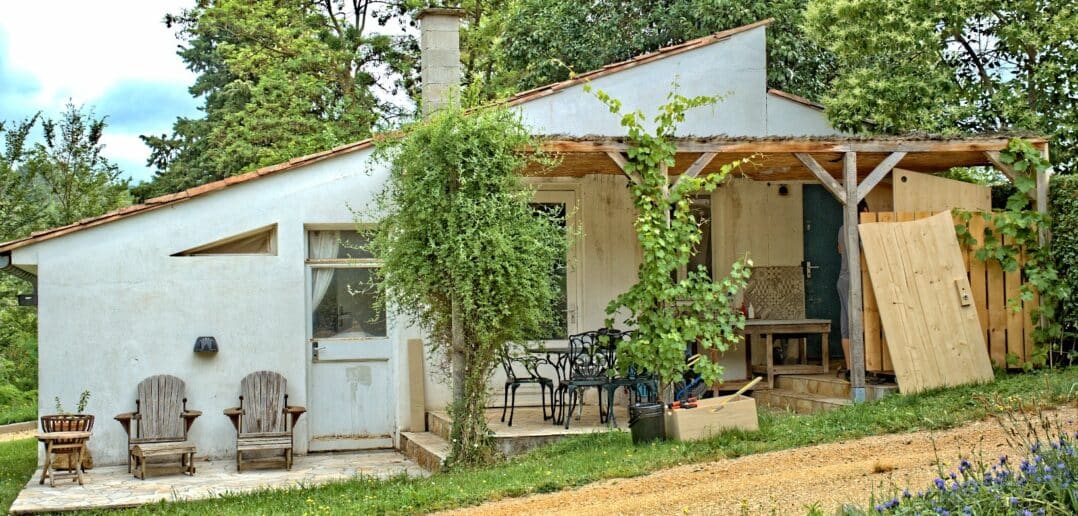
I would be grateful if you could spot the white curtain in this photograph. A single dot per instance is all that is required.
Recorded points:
(324, 246)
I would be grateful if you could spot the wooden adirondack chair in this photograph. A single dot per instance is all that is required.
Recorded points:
(162, 421)
(264, 420)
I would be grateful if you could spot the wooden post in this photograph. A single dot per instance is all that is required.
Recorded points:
(1043, 234)
(853, 264)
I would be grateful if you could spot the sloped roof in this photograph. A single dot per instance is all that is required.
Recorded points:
(294, 163)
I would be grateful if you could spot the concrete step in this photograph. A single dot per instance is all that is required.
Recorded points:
(426, 449)
(438, 423)
(800, 402)
(824, 384)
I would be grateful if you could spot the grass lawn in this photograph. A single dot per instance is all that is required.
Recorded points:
(584, 459)
(18, 459)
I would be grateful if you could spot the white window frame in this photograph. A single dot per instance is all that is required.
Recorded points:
(337, 263)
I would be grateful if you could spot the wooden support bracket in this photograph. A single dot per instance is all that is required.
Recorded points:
(620, 160)
(829, 182)
(698, 166)
(1007, 170)
(878, 174)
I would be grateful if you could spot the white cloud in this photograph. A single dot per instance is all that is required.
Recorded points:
(80, 49)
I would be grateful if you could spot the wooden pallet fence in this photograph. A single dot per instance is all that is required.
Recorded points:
(1006, 331)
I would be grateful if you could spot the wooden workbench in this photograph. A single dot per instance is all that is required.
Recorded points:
(769, 328)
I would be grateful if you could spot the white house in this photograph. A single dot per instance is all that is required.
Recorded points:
(255, 261)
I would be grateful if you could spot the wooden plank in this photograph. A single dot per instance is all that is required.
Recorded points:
(934, 340)
(926, 192)
(873, 333)
(878, 174)
(978, 273)
(1012, 283)
(824, 176)
(997, 313)
(888, 364)
(417, 386)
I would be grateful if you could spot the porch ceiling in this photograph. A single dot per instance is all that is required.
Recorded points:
(772, 159)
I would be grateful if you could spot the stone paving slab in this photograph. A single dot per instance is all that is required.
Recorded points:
(113, 487)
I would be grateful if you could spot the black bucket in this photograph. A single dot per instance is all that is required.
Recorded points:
(646, 422)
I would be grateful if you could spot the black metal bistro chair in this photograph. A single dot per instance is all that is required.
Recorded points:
(513, 381)
(589, 365)
(641, 385)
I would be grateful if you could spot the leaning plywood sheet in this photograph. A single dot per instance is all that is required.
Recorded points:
(923, 295)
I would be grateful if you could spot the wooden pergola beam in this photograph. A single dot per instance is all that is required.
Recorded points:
(764, 146)
(829, 182)
(885, 167)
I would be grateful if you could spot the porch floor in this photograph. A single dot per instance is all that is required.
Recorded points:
(108, 487)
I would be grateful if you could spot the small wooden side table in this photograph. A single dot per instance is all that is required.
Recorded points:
(62, 443)
(142, 452)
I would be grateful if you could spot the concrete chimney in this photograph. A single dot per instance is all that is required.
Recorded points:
(439, 45)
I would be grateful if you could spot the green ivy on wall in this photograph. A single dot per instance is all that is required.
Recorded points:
(668, 313)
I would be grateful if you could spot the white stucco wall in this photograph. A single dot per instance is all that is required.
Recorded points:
(115, 307)
(732, 69)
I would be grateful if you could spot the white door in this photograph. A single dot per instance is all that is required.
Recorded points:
(351, 391)
(565, 307)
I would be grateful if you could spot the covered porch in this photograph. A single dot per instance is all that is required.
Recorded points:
(769, 209)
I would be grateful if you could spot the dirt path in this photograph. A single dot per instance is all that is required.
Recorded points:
(785, 482)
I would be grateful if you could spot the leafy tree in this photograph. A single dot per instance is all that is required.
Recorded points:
(669, 313)
(464, 254)
(964, 65)
(56, 181)
(278, 79)
(539, 41)
(69, 170)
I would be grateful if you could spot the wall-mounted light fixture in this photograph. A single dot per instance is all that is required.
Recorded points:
(205, 345)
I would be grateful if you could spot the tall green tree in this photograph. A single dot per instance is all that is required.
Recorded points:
(464, 254)
(68, 169)
(49, 179)
(278, 79)
(956, 66)
(535, 42)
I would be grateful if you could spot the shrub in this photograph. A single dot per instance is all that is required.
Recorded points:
(1064, 213)
(1041, 482)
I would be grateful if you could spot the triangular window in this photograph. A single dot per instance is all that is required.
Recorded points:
(261, 241)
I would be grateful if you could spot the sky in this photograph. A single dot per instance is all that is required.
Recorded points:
(115, 56)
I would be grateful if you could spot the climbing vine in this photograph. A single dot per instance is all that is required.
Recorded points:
(465, 256)
(669, 313)
(1013, 239)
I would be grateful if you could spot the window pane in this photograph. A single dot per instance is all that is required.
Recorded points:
(701, 253)
(346, 305)
(328, 245)
(559, 324)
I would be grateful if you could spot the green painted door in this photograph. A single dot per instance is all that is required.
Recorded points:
(822, 219)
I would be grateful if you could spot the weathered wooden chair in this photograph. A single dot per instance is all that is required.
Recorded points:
(264, 420)
(162, 422)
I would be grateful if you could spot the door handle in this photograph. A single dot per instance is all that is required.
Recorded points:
(314, 351)
(808, 266)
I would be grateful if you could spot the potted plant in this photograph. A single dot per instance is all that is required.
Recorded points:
(64, 421)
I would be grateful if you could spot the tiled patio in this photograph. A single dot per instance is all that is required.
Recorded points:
(113, 487)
